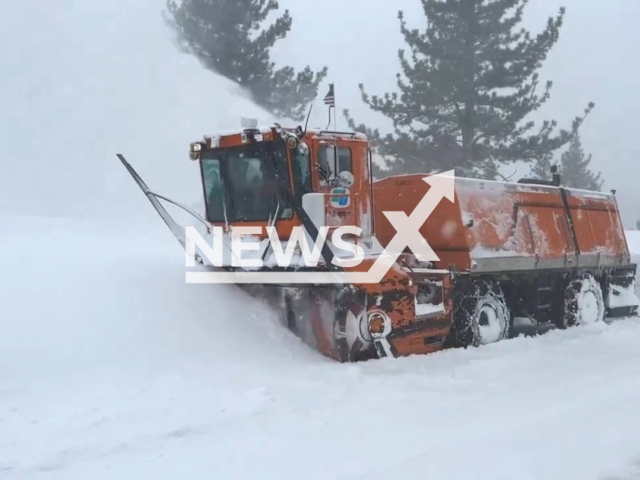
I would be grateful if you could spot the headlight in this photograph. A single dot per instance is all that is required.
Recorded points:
(379, 324)
(292, 141)
(303, 149)
(376, 324)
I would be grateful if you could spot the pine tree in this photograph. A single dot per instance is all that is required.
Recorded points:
(541, 167)
(229, 38)
(574, 168)
(471, 77)
(402, 154)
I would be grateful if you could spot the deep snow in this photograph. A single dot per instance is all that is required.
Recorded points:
(112, 367)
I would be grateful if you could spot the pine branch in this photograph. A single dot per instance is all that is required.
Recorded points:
(232, 39)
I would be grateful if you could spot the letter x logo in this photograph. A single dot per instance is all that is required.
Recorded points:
(408, 227)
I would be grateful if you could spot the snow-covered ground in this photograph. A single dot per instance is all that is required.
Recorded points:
(112, 367)
(633, 242)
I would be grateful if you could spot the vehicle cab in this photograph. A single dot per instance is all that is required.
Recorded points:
(264, 176)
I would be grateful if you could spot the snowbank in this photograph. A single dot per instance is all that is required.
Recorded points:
(92, 79)
(112, 367)
(633, 242)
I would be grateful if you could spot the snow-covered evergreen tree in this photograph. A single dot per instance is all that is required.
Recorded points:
(541, 167)
(470, 81)
(229, 37)
(574, 168)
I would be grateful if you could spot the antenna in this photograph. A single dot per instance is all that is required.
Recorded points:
(307, 122)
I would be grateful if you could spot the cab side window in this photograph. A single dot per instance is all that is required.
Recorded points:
(214, 196)
(344, 160)
(327, 159)
(301, 175)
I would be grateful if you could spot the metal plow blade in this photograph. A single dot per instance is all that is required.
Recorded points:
(177, 230)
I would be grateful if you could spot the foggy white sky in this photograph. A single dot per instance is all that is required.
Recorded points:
(596, 59)
(91, 78)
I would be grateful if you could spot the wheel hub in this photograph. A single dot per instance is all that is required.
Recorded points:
(588, 308)
(489, 324)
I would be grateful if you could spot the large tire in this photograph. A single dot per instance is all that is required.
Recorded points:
(481, 316)
(583, 302)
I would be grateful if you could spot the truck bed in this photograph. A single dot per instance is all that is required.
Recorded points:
(499, 226)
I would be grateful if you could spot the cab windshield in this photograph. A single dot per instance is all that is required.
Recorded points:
(240, 183)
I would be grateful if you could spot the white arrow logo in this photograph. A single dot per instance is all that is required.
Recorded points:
(408, 229)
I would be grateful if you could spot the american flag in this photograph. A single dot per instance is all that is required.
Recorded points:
(330, 98)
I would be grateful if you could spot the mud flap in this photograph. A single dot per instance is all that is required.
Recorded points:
(177, 230)
(622, 299)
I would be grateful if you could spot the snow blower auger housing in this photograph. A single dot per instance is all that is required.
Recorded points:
(531, 251)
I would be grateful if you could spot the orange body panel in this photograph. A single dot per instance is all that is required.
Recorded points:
(494, 226)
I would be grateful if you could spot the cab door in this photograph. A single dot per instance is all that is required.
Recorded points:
(334, 176)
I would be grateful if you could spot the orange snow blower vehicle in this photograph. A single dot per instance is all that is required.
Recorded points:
(465, 260)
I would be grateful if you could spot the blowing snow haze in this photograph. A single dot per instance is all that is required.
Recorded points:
(95, 78)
